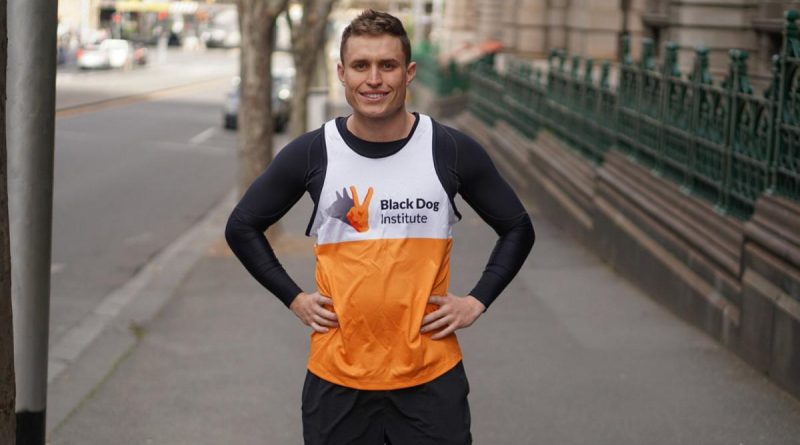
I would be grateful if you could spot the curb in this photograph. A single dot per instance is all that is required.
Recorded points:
(88, 353)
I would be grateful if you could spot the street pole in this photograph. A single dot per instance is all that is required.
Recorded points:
(30, 122)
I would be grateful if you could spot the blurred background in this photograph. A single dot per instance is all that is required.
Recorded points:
(656, 144)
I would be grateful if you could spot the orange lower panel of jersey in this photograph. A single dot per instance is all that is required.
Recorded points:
(380, 291)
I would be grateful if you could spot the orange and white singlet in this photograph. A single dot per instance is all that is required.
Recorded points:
(383, 229)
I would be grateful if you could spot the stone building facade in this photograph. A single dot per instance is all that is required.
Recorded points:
(533, 27)
(592, 28)
(752, 25)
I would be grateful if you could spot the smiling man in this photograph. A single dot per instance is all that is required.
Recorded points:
(384, 363)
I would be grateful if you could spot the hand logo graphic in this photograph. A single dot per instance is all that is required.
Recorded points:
(358, 215)
(339, 208)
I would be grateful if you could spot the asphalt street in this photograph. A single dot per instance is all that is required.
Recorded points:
(130, 179)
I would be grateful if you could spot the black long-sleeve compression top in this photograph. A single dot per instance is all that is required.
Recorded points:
(462, 166)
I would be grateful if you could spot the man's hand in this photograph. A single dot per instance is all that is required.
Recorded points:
(454, 313)
(310, 309)
(358, 216)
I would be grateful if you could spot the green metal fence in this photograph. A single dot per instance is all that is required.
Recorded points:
(786, 162)
(719, 141)
(444, 80)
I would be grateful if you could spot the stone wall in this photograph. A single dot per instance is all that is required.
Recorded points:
(490, 19)
(592, 28)
(458, 25)
(717, 26)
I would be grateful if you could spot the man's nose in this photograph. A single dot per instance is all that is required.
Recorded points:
(374, 77)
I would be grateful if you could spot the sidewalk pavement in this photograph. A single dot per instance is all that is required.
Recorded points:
(569, 354)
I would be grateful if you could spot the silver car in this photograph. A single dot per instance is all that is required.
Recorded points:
(281, 103)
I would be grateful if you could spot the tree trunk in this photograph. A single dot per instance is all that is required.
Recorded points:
(302, 83)
(308, 39)
(7, 380)
(257, 27)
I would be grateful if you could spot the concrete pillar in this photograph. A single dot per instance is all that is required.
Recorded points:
(636, 27)
(594, 27)
(531, 23)
(490, 19)
(508, 25)
(557, 24)
(459, 24)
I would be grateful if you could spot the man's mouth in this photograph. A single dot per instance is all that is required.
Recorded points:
(374, 95)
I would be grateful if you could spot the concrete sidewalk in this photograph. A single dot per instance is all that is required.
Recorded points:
(569, 354)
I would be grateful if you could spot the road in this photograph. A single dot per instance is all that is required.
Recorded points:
(75, 88)
(129, 179)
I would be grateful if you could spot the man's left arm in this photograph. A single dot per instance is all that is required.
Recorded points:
(482, 187)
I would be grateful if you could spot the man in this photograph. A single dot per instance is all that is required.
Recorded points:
(384, 365)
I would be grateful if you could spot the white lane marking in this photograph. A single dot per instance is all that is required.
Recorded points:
(203, 136)
(181, 146)
(56, 268)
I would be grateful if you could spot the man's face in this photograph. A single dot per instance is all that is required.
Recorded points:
(375, 75)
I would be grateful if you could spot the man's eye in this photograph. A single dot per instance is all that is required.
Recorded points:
(359, 66)
(388, 66)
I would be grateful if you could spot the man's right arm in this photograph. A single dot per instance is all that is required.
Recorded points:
(270, 196)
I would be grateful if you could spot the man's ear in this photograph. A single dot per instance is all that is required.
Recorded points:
(411, 72)
(340, 71)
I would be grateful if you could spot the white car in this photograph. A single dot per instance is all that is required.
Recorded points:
(120, 52)
(110, 53)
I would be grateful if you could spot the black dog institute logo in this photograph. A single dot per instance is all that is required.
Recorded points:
(406, 211)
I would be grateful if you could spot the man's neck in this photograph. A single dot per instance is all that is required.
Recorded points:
(381, 130)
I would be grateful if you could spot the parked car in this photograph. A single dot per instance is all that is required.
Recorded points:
(110, 53)
(221, 38)
(223, 30)
(281, 102)
(90, 56)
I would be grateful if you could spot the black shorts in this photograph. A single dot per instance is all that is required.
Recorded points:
(436, 412)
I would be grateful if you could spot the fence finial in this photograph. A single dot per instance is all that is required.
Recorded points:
(562, 58)
(791, 42)
(671, 68)
(604, 73)
(626, 50)
(576, 65)
(647, 62)
(587, 74)
(700, 73)
(737, 73)
(551, 59)
(771, 92)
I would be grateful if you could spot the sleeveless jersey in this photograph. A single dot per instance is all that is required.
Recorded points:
(383, 229)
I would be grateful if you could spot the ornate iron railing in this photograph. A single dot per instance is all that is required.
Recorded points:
(720, 141)
(444, 80)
